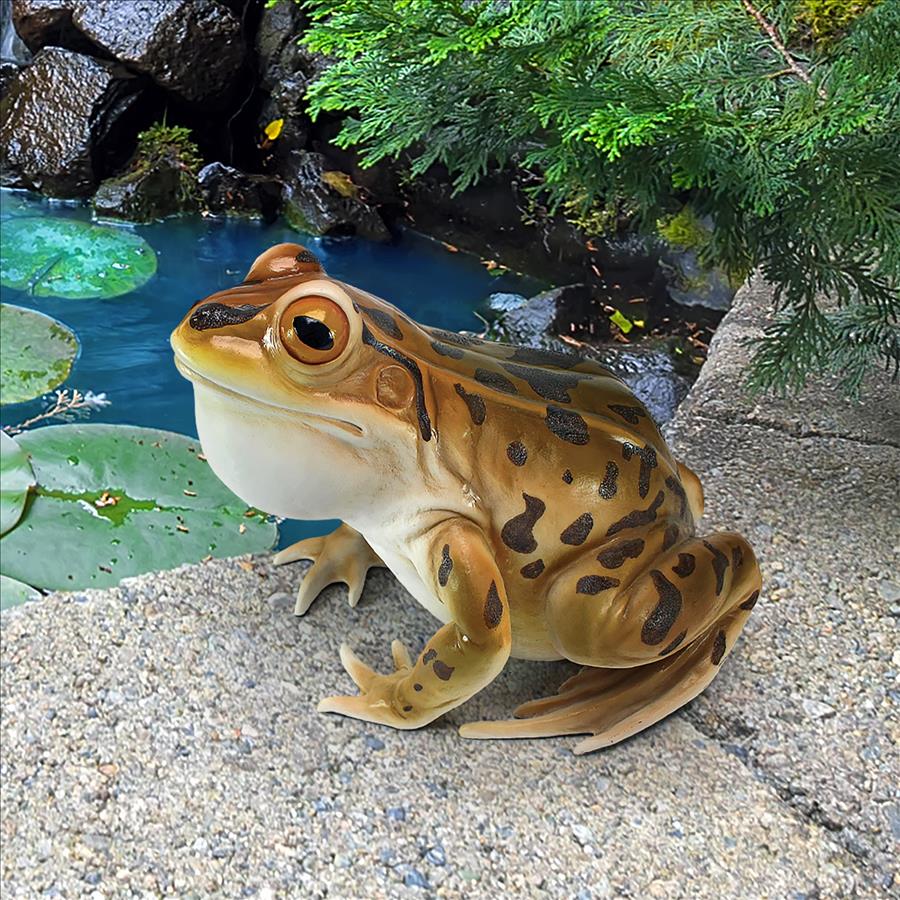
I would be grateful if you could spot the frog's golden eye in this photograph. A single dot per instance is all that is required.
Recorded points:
(314, 330)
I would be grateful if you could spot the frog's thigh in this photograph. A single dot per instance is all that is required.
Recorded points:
(638, 613)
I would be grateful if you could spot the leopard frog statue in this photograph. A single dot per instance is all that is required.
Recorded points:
(525, 498)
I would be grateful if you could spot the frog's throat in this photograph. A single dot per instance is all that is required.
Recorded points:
(203, 381)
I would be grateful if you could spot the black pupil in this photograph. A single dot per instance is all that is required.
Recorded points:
(313, 333)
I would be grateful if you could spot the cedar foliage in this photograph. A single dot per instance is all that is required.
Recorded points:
(778, 118)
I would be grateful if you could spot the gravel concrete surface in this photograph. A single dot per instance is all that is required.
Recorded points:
(161, 738)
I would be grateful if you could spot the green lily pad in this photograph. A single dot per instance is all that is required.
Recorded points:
(15, 593)
(16, 478)
(36, 353)
(50, 257)
(114, 501)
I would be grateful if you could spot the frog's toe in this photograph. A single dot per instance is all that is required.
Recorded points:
(361, 674)
(310, 548)
(400, 652)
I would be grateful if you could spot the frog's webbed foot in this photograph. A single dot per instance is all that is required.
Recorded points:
(342, 556)
(379, 699)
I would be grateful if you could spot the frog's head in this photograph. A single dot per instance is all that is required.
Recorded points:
(300, 407)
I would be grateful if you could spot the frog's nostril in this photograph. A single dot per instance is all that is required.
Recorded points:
(219, 315)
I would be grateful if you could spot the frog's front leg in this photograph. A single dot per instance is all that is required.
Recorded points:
(461, 658)
(342, 556)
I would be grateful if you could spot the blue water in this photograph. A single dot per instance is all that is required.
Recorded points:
(125, 340)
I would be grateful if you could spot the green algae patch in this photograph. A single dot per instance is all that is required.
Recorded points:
(36, 353)
(16, 479)
(53, 257)
(114, 501)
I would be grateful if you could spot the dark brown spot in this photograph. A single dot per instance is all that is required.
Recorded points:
(568, 477)
(577, 533)
(412, 367)
(718, 648)
(675, 486)
(517, 453)
(593, 584)
(536, 357)
(631, 414)
(220, 315)
(659, 623)
(648, 462)
(474, 402)
(446, 566)
(516, 533)
(417, 686)
(686, 563)
(532, 569)
(428, 656)
(638, 517)
(670, 538)
(407, 709)
(382, 320)
(608, 486)
(445, 350)
(493, 607)
(676, 643)
(442, 670)
(719, 564)
(615, 556)
(737, 556)
(497, 381)
(567, 425)
(750, 602)
(545, 382)
(305, 256)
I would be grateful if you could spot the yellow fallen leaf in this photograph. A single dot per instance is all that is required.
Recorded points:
(621, 321)
(273, 129)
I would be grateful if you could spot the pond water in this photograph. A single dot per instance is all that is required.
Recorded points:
(125, 349)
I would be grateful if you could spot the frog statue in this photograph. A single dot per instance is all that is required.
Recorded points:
(524, 497)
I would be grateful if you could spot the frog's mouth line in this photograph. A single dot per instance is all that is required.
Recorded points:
(195, 377)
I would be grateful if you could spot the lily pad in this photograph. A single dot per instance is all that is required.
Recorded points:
(114, 501)
(36, 353)
(50, 257)
(15, 593)
(16, 478)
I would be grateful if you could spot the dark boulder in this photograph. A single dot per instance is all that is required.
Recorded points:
(285, 72)
(148, 192)
(320, 200)
(66, 121)
(228, 191)
(192, 48)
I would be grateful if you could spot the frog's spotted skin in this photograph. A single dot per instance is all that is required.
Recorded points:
(524, 497)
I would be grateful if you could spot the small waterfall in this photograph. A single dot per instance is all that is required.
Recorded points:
(11, 47)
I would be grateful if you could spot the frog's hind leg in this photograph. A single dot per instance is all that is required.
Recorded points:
(657, 645)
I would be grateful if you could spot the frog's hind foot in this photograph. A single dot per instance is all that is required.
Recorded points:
(614, 704)
(342, 556)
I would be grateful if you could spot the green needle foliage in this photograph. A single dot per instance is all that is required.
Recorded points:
(778, 118)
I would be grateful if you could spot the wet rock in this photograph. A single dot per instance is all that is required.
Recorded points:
(319, 200)
(66, 121)
(147, 192)
(12, 48)
(193, 48)
(691, 284)
(225, 190)
(285, 71)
